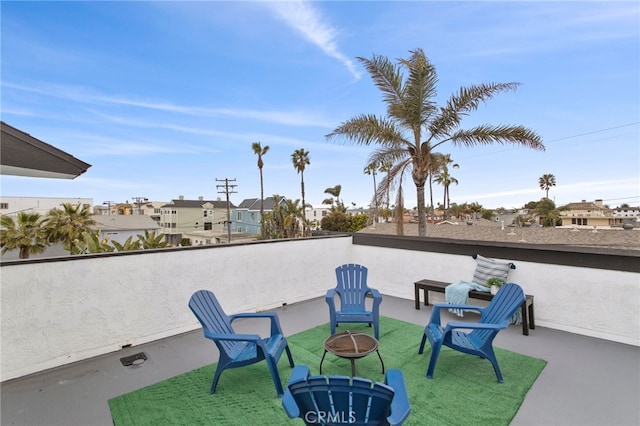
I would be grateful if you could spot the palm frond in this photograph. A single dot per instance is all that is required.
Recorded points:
(385, 76)
(419, 91)
(466, 100)
(366, 129)
(503, 134)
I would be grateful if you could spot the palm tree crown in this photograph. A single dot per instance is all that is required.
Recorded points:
(26, 234)
(546, 181)
(69, 224)
(414, 125)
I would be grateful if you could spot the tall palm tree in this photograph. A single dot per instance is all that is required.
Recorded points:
(300, 159)
(385, 168)
(69, 224)
(435, 164)
(372, 169)
(25, 234)
(546, 181)
(414, 125)
(260, 151)
(444, 178)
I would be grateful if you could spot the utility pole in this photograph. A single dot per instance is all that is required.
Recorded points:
(108, 204)
(139, 201)
(227, 189)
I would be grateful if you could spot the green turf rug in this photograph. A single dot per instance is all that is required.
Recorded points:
(464, 390)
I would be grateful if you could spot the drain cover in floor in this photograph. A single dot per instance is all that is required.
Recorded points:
(135, 359)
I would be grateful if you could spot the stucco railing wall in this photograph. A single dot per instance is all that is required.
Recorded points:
(588, 301)
(58, 311)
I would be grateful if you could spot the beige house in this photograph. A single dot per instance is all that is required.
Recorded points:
(589, 214)
(182, 216)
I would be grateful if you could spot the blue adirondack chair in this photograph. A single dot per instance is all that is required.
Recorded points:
(352, 291)
(345, 400)
(479, 341)
(238, 350)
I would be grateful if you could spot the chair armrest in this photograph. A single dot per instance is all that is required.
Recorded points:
(300, 372)
(275, 322)
(329, 298)
(439, 306)
(435, 311)
(400, 408)
(330, 295)
(234, 337)
(474, 326)
(377, 297)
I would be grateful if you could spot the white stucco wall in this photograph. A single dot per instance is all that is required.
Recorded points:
(592, 302)
(58, 312)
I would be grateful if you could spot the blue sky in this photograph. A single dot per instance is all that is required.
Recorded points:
(163, 98)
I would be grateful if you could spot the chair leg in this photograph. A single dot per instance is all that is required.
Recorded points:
(496, 368)
(424, 339)
(435, 351)
(291, 364)
(273, 368)
(216, 377)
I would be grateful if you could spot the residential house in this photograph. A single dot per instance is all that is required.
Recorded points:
(314, 216)
(589, 214)
(246, 217)
(182, 216)
(120, 227)
(41, 205)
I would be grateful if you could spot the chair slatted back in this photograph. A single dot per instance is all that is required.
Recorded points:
(501, 308)
(352, 286)
(207, 309)
(342, 400)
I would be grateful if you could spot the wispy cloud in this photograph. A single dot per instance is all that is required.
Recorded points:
(86, 96)
(303, 17)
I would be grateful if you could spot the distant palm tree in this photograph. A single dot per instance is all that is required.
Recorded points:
(260, 151)
(546, 181)
(372, 169)
(293, 214)
(435, 165)
(68, 225)
(385, 168)
(25, 234)
(300, 159)
(336, 203)
(445, 179)
(414, 125)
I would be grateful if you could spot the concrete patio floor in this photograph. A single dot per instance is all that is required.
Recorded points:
(587, 381)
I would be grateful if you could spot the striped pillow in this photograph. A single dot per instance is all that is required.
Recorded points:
(489, 268)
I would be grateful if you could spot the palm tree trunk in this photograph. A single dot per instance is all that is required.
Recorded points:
(262, 233)
(422, 217)
(304, 219)
(431, 197)
(444, 203)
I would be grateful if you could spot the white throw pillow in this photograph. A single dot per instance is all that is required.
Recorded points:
(489, 268)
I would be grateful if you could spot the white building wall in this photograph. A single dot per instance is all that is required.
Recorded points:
(40, 205)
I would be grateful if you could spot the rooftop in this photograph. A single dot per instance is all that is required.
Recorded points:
(587, 381)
